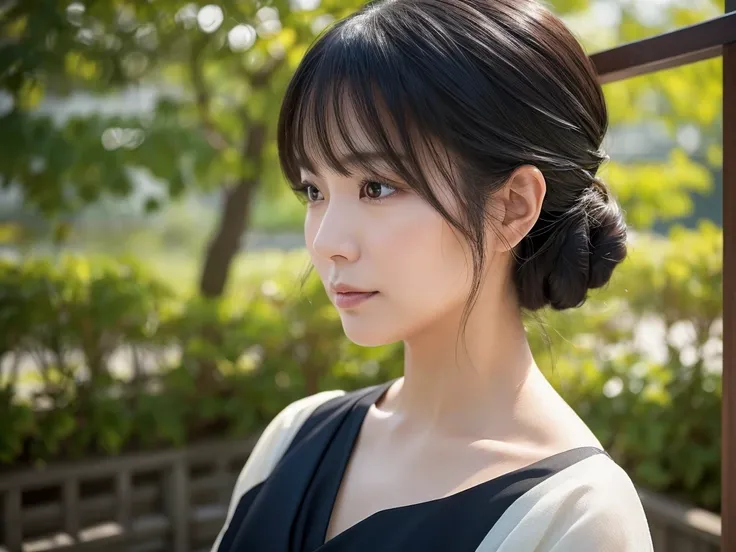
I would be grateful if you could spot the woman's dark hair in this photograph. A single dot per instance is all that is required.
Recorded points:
(480, 87)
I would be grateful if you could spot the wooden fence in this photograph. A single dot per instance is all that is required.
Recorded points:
(176, 501)
(168, 501)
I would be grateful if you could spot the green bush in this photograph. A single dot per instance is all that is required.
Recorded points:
(60, 322)
(200, 369)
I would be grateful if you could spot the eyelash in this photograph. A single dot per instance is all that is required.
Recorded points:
(303, 190)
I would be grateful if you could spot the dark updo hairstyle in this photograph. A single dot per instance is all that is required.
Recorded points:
(484, 87)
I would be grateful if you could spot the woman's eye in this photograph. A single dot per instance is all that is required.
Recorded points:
(377, 190)
(313, 194)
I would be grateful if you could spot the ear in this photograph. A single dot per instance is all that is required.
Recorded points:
(518, 205)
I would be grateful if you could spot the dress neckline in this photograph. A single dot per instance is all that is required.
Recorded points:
(554, 463)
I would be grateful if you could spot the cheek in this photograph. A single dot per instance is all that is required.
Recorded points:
(430, 269)
(311, 227)
(414, 258)
(312, 220)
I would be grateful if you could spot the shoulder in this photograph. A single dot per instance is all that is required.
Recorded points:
(278, 434)
(285, 426)
(591, 505)
(293, 415)
(271, 445)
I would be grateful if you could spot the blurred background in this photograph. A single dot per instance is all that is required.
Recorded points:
(150, 254)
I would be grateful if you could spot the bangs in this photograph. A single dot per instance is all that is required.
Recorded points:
(353, 104)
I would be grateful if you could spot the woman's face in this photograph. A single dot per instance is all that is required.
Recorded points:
(382, 237)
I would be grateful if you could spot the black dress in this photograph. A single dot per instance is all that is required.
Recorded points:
(290, 510)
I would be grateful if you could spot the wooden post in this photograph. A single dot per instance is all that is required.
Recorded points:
(728, 441)
(177, 498)
(124, 497)
(12, 524)
(71, 507)
(223, 475)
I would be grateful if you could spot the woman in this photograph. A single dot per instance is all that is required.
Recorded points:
(447, 151)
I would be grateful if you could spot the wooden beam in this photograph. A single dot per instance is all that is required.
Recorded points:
(33, 478)
(687, 45)
(728, 439)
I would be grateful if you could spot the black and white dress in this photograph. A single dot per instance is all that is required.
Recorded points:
(577, 500)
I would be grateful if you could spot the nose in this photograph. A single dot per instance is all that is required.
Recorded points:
(336, 234)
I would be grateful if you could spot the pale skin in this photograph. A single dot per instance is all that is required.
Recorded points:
(463, 412)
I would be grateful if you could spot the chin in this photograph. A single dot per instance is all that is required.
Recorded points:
(367, 333)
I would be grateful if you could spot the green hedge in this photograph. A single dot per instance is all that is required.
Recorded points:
(200, 369)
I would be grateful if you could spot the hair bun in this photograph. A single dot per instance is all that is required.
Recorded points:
(566, 255)
(607, 241)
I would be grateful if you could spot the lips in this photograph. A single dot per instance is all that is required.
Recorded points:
(350, 299)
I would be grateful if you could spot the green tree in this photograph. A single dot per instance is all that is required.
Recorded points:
(219, 71)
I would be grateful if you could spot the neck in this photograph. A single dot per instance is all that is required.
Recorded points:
(466, 384)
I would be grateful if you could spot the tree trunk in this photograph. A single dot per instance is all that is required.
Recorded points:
(225, 244)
